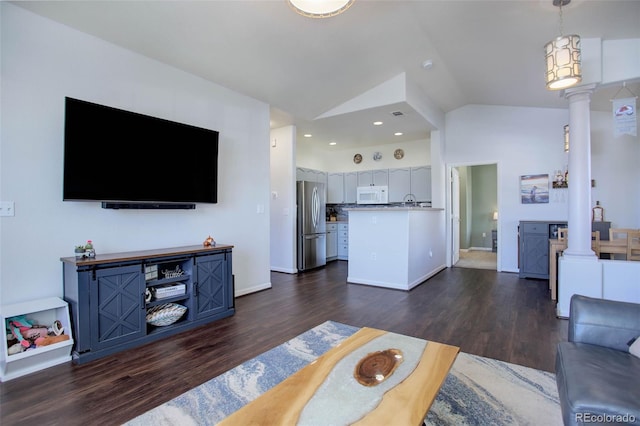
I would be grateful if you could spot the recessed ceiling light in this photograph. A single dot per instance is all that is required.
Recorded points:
(398, 133)
(333, 143)
(377, 123)
(308, 135)
(320, 9)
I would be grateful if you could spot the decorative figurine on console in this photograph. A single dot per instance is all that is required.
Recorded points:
(85, 251)
(209, 242)
(79, 252)
(89, 251)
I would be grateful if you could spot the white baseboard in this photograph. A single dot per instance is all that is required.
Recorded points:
(253, 289)
(478, 249)
(395, 285)
(285, 270)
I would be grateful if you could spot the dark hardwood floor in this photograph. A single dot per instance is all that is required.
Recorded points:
(484, 312)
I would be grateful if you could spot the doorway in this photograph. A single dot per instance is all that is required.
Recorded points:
(474, 216)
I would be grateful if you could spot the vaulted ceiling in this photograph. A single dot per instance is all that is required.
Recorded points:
(483, 52)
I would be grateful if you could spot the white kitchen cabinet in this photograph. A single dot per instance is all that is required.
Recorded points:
(414, 180)
(311, 175)
(341, 188)
(350, 187)
(365, 178)
(335, 188)
(304, 174)
(373, 177)
(381, 177)
(399, 184)
(421, 183)
(321, 177)
(343, 241)
(332, 241)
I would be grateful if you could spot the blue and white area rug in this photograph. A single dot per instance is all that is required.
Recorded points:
(477, 391)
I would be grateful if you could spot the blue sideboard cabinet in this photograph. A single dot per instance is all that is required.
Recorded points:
(533, 247)
(110, 295)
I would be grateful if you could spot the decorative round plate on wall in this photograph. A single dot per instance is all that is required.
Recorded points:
(357, 158)
(398, 153)
(377, 156)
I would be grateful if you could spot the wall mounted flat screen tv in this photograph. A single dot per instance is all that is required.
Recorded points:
(122, 158)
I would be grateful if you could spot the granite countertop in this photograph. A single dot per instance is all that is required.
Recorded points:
(399, 208)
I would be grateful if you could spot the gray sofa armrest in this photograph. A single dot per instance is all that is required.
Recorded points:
(603, 322)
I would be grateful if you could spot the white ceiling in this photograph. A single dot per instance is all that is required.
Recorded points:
(483, 52)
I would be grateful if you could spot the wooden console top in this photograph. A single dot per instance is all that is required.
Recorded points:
(143, 254)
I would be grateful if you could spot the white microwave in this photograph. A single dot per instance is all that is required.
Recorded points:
(372, 195)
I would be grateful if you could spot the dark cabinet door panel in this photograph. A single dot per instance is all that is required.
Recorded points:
(211, 291)
(117, 306)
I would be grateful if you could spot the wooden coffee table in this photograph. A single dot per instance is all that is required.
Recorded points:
(328, 388)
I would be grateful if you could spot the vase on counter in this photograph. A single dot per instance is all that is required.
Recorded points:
(89, 251)
(79, 252)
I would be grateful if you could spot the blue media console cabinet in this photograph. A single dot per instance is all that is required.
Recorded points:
(110, 295)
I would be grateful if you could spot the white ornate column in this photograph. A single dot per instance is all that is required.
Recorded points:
(579, 244)
(579, 269)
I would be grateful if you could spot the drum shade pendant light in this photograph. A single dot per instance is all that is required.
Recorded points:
(320, 8)
(563, 57)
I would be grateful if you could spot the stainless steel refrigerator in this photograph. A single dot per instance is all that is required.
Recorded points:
(311, 227)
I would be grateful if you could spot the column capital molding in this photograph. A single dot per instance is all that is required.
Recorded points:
(586, 89)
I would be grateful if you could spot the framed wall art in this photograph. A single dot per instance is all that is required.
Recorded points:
(534, 189)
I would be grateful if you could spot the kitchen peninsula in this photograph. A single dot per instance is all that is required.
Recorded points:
(395, 247)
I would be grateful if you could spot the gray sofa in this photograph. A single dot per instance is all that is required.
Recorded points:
(598, 379)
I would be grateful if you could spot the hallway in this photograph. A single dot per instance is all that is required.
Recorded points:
(477, 259)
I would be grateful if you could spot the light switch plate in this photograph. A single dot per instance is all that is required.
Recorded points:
(7, 208)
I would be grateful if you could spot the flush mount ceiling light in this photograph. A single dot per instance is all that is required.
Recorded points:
(563, 57)
(427, 64)
(320, 8)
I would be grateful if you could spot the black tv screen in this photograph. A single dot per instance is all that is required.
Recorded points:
(113, 155)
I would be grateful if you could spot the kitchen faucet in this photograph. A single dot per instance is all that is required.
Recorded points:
(412, 198)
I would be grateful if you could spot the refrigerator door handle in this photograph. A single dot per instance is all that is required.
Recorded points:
(315, 207)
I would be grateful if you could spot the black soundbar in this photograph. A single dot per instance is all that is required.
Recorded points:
(149, 206)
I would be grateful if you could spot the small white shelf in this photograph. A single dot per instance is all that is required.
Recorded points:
(41, 311)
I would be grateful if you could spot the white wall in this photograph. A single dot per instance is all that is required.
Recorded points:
(283, 200)
(416, 153)
(529, 141)
(42, 62)
(615, 166)
(309, 156)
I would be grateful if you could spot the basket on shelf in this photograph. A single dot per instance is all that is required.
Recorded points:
(165, 314)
